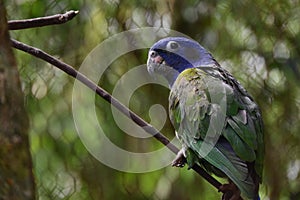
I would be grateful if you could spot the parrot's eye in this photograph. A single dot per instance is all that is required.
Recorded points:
(172, 46)
(153, 54)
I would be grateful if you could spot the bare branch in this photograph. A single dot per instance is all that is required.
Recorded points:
(42, 21)
(104, 94)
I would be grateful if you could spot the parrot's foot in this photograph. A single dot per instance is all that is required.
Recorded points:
(231, 192)
(179, 160)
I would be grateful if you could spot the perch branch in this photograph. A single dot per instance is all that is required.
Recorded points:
(101, 92)
(42, 21)
(104, 94)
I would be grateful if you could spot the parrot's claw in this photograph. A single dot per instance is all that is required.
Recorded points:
(231, 192)
(179, 160)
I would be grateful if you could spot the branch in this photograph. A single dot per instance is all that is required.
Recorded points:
(42, 21)
(101, 92)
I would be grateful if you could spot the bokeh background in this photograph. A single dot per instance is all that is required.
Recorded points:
(257, 41)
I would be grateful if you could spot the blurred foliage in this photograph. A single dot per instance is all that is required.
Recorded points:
(257, 41)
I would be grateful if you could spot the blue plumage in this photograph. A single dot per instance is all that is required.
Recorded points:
(182, 54)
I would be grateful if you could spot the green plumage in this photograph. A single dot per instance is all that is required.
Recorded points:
(219, 126)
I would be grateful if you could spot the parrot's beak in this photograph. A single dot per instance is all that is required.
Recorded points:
(153, 62)
(153, 55)
(157, 65)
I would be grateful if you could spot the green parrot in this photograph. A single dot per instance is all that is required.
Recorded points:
(217, 122)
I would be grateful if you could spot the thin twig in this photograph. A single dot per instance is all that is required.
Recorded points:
(42, 21)
(101, 92)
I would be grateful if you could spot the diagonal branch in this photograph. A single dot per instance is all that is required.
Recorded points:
(42, 21)
(104, 94)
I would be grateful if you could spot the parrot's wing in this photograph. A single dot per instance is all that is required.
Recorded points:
(213, 122)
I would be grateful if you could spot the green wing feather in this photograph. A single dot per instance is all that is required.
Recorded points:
(223, 145)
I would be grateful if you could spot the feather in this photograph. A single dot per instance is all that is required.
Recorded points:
(216, 120)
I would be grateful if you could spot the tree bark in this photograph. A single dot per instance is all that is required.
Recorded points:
(16, 177)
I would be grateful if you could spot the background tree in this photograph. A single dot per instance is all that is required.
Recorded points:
(16, 178)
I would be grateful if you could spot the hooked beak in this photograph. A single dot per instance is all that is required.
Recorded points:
(154, 60)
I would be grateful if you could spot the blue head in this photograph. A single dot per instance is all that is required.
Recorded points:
(170, 56)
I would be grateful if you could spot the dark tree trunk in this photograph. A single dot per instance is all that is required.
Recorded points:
(16, 178)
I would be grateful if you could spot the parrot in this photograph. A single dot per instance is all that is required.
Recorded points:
(217, 122)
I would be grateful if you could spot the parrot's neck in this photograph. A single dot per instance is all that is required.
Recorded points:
(171, 75)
